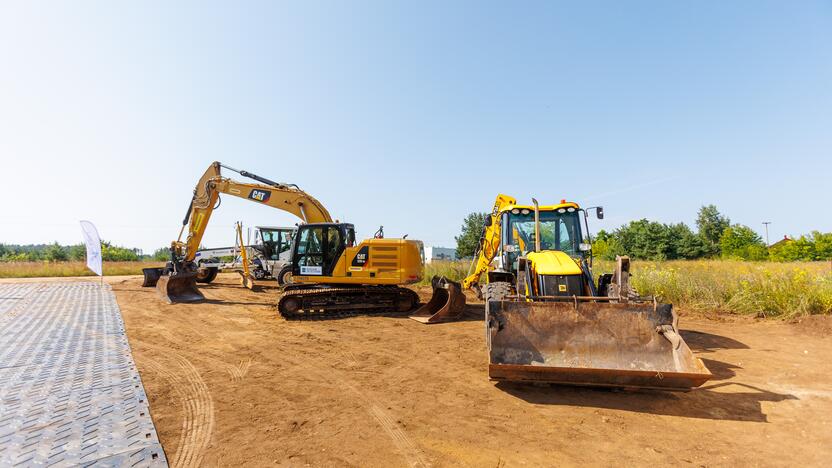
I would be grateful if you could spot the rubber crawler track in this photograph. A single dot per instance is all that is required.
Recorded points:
(336, 302)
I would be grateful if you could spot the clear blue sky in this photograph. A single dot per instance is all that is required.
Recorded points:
(413, 115)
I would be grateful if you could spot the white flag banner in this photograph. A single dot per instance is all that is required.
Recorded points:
(93, 243)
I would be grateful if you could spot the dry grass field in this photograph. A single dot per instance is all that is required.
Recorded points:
(764, 289)
(67, 269)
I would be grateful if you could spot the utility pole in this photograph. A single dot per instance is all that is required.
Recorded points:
(766, 223)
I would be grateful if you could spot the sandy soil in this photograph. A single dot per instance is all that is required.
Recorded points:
(231, 383)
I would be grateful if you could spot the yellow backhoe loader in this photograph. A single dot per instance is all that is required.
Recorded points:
(546, 318)
(332, 274)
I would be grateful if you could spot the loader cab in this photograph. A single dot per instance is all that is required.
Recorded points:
(318, 247)
(560, 229)
(274, 241)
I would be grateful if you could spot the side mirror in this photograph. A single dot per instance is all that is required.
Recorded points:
(584, 247)
(599, 212)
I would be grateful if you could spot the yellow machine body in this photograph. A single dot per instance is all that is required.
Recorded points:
(367, 275)
(384, 261)
(547, 320)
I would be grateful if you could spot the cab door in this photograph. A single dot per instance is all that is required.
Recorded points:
(317, 250)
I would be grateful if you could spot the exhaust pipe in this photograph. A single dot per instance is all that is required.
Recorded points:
(536, 225)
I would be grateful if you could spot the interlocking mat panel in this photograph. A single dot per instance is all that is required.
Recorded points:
(70, 394)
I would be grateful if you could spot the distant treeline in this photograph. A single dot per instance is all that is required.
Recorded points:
(716, 237)
(60, 253)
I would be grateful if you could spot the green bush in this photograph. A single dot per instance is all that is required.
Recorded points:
(740, 242)
(468, 240)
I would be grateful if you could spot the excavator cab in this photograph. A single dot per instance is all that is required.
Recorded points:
(319, 246)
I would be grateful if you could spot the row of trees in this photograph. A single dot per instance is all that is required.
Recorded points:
(59, 253)
(715, 237)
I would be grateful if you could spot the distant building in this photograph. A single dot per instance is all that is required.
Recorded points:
(439, 253)
(783, 241)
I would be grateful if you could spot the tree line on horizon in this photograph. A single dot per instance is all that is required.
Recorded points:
(56, 252)
(715, 237)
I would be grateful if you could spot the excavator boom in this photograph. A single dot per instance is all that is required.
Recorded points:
(177, 283)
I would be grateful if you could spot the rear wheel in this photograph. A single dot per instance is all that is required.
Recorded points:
(206, 275)
(285, 275)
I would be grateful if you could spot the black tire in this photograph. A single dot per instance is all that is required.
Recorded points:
(497, 291)
(285, 275)
(492, 292)
(206, 275)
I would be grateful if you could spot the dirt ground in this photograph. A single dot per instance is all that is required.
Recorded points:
(231, 383)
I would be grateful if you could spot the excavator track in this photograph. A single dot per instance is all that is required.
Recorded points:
(304, 302)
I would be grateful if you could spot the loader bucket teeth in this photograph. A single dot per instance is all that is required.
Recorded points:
(629, 345)
(247, 281)
(151, 276)
(179, 287)
(446, 304)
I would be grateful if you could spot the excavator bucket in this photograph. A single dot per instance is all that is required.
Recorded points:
(247, 281)
(629, 345)
(151, 276)
(446, 304)
(178, 287)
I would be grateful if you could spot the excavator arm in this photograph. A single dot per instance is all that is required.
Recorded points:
(176, 282)
(489, 243)
(448, 300)
(286, 197)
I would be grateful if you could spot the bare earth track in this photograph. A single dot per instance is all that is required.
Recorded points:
(231, 383)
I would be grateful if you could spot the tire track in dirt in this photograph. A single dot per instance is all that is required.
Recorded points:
(198, 407)
(403, 443)
(238, 372)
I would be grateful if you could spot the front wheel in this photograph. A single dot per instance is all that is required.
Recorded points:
(285, 275)
(497, 291)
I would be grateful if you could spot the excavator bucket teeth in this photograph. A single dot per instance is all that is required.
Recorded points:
(151, 277)
(180, 287)
(629, 345)
(447, 303)
(248, 281)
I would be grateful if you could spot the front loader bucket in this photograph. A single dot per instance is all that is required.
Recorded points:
(178, 287)
(630, 345)
(151, 276)
(446, 304)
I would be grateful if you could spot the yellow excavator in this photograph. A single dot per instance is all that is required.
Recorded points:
(333, 274)
(546, 318)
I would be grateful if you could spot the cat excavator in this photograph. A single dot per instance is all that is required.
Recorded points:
(546, 318)
(333, 274)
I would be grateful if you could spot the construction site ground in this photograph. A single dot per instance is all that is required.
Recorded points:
(231, 383)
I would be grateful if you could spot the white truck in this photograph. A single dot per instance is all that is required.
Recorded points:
(269, 257)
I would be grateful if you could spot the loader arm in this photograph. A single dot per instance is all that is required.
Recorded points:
(489, 243)
(284, 197)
